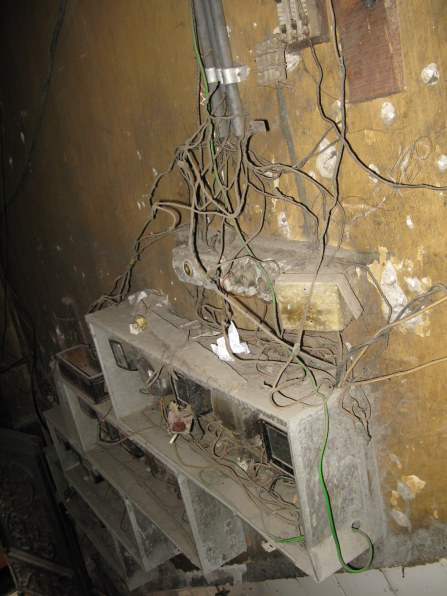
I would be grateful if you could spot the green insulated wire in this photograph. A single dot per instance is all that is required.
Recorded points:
(346, 567)
(216, 175)
(293, 539)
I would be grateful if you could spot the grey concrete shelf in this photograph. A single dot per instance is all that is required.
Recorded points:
(349, 464)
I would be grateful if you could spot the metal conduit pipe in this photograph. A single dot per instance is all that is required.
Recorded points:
(209, 24)
(210, 58)
(226, 61)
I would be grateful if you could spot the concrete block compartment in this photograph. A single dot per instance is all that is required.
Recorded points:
(217, 531)
(79, 413)
(266, 450)
(68, 456)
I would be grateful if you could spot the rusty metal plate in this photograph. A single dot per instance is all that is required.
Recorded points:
(370, 38)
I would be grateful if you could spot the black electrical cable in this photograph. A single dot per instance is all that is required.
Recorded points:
(6, 201)
(309, 229)
(43, 98)
(4, 247)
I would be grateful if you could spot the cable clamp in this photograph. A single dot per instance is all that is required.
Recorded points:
(227, 76)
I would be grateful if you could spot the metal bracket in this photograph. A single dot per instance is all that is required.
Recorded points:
(227, 76)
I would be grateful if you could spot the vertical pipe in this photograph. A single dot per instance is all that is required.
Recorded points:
(226, 60)
(210, 58)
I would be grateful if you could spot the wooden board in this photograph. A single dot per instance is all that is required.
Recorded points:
(370, 39)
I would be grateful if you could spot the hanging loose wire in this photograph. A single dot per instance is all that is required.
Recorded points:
(219, 175)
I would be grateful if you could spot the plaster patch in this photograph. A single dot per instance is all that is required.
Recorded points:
(430, 74)
(394, 498)
(283, 224)
(376, 267)
(421, 253)
(392, 290)
(436, 514)
(388, 113)
(393, 457)
(335, 110)
(409, 265)
(396, 296)
(410, 223)
(374, 168)
(327, 160)
(414, 483)
(442, 163)
(154, 171)
(401, 518)
(404, 491)
(415, 285)
(140, 157)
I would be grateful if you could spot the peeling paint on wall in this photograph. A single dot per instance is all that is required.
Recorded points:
(386, 272)
(414, 285)
(401, 518)
(392, 290)
(393, 457)
(442, 163)
(327, 160)
(283, 224)
(414, 484)
(388, 113)
(394, 499)
(430, 74)
(374, 168)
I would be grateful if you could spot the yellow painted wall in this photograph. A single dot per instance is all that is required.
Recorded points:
(123, 95)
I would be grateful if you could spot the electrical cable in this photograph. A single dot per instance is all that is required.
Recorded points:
(399, 373)
(42, 102)
(217, 177)
(386, 329)
(217, 186)
(287, 134)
